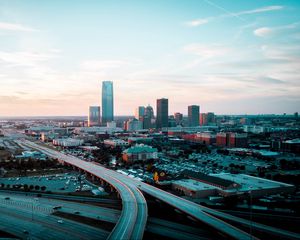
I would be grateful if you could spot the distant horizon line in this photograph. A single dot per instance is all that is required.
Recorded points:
(185, 115)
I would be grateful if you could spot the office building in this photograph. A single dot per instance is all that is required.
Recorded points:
(139, 112)
(172, 121)
(207, 138)
(178, 118)
(67, 142)
(193, 115)
(203, 119)
(139, 152)
(148, 118)
(231, 140)
(115, 143)
(207, 119)
(133, 125)
(162, 113)
(222, 139)
(94, 116)
(107, 102)
(149, 112)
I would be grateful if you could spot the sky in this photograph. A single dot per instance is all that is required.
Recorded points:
(229, 57)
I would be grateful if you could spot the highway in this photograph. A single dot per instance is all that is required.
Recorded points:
(133, 219)
(188, 207)
(103, 201)
(206, 215)
(44, 207)
(19, 214)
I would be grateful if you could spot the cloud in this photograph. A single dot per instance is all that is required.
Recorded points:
(205, 51)
(292, 28)
(263, 32)
(95, 65)
(287, 53)
(15, 27)
(102, 64)
(198, 22)
(21, 93)
(260, 10)
(25, 58)
(270, 80)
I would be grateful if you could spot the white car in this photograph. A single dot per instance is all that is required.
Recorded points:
(60, 221)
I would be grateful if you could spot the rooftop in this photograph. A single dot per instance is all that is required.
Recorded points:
(193, 184)
(140, 148)
(208, 178)
(248, 182)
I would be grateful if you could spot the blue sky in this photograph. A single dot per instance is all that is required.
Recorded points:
(227, 56)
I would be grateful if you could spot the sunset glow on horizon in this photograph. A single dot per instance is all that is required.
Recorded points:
(224, 57)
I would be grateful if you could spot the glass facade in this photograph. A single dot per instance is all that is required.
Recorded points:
(107, 102)
(94, 116)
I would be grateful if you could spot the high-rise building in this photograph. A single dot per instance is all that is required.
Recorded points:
(203, 119)
(107, 102)
(171, 121)
(148, 117)
(207, 118)
(94, 116)
(211, 118)
(193, 115)
(162, 113)
(178, 118)
(149, 112)
(139, 112)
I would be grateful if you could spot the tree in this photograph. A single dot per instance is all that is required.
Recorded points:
(43, 188)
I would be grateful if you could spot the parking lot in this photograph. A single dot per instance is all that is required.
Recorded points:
(60, 183)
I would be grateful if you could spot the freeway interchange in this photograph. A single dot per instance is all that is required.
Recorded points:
(134, 215)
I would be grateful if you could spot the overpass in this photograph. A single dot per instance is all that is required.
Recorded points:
(134, 214)
(138, 216)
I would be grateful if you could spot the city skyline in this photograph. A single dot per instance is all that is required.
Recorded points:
(228, 58)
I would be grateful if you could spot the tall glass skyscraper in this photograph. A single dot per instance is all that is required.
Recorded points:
(107, 102)
(162, 113)
(193, 114)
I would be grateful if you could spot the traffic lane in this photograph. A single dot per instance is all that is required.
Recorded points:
(42, 227)
(130, 208)
(35, 213)
(103, 173)
(209, 214)
(53, 220)
(47, 205)
(65, 197)
(195, 211)
(187, 207)
(142, 215)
